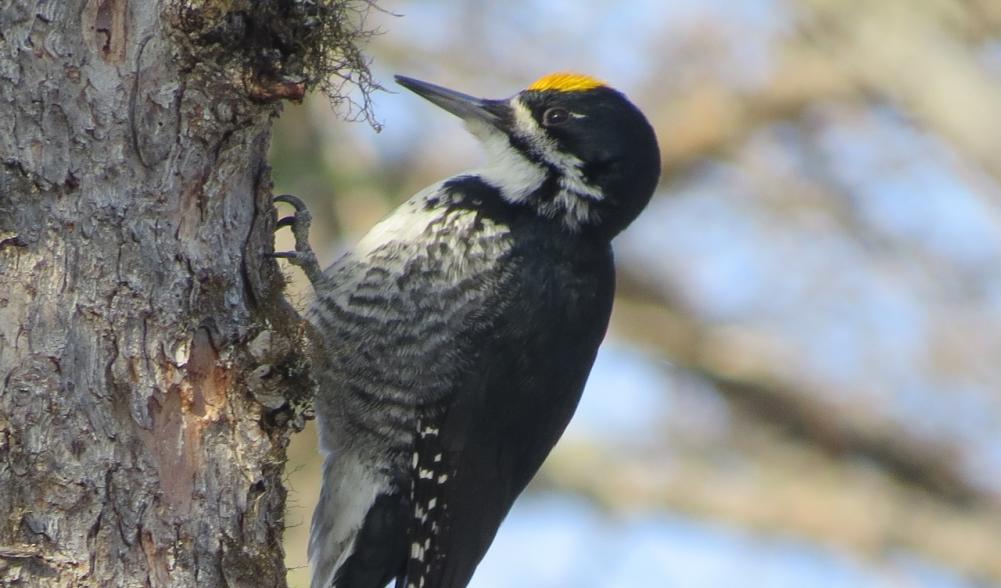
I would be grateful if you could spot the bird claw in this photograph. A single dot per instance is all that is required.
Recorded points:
(303, 256)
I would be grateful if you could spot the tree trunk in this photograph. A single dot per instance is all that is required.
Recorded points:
(143, 334)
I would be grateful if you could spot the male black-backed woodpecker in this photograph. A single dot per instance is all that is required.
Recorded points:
(458, 334)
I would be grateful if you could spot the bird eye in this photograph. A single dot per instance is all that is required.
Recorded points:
(555, 116)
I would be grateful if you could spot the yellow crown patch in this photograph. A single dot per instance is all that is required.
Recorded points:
(566, 82)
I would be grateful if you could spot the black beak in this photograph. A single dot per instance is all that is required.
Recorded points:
(464, 106)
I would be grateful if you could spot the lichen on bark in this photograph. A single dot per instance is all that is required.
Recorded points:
(281, 48)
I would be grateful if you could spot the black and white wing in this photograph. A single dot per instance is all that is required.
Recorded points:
(457, 342)
(474, 457)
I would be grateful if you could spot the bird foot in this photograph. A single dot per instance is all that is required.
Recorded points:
(299, 222)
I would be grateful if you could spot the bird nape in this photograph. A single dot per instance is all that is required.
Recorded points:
(454, 340)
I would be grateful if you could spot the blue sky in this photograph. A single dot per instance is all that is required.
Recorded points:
(856, 308)
(554, 542)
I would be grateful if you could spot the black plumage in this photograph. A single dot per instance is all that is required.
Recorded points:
(525, 373)
(458, 335)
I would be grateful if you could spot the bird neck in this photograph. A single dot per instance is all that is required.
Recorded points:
(550, 192)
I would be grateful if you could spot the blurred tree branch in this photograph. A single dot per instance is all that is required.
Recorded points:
(761, 482)
(896, 51)
(742, 370)
(831, 472)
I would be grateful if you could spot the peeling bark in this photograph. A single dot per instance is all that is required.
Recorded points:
(145, 347)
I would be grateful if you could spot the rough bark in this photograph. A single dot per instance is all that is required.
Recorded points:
(143, 334)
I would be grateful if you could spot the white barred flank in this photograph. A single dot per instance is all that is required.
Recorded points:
(401, 239)
(349, 491)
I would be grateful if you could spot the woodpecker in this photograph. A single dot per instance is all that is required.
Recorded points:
(456, 337)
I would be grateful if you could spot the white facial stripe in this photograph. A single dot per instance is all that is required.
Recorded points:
(573, 181)
(575, 194)
(525, 125)
(507, 169)
(517, 176)
(528, 129)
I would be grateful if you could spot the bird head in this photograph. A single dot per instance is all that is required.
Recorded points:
(568, 147)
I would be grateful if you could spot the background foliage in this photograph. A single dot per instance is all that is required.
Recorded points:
(801, 386)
